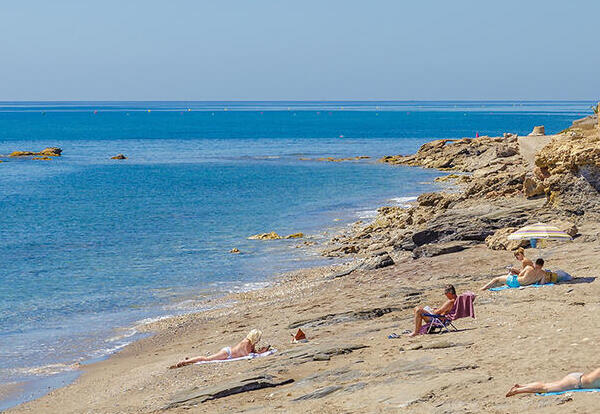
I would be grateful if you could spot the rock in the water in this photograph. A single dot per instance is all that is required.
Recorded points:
(265, 236)
(538, 130)
(119, 157)
(332, 159)
(22, 154)
(42, 158)
(46, 152)
(50, 152)
(235, 250)
(295, 236)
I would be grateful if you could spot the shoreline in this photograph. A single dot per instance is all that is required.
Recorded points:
(15, 394)
(316, 277)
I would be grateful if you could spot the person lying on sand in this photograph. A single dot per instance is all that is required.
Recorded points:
(244, 348)
(450, 293)
(573, 381)
(520, 256)
(528, 276)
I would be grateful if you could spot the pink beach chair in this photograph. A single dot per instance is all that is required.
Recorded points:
(463, 307)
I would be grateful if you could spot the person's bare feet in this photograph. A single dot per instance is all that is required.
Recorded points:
(179, 364)
(413, 334)
(513, 390)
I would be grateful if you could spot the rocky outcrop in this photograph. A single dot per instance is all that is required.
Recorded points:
(502, 190)
(119, 157)
(333, 159)
(533, 187)
(499, 240)
(46, 152)
(570, 170)
(335, 318)
(265, 236)
(538, 130)
(377, 261)
(194, 396)
(465, 154)
(295, 236)
(437, 249)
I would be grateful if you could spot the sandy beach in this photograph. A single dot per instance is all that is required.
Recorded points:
(348, 363)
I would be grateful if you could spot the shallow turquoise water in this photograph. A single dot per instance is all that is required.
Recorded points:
(90, 245)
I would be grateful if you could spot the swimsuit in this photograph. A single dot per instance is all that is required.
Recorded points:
(577, 376)
(227, 349)
(513, 281)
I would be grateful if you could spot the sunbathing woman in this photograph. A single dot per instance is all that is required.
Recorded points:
(520, 256)
(244, 348)
(528, 276)
(573, 381)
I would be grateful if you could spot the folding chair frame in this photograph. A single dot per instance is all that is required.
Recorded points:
(439, 321)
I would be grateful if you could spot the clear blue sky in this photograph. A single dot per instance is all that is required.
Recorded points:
(273, 50)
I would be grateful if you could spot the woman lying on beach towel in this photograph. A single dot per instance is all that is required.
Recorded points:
(573, 381)
(244, 348)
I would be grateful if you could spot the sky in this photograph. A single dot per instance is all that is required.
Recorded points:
(299, 50)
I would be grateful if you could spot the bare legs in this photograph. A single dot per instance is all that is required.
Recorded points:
(500, 280)
(590, 380)
(221, 355)
(419, 318)
(567, 383)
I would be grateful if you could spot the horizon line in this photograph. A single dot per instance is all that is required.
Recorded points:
(295, 100)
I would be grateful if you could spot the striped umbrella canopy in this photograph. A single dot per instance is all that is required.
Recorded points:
(539, 231)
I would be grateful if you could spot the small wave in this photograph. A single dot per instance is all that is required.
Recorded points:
(108, 351)
(44, 370)
(148, 321)
(366, 214)
(128, 334)
(403, 201)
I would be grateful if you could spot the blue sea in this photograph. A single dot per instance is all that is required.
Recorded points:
(90, 247)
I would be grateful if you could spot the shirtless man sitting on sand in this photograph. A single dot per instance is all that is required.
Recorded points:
(244, 348)
(528, 276)
(450, 293)
(573, 381)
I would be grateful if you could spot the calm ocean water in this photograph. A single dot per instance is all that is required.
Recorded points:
(89, 246)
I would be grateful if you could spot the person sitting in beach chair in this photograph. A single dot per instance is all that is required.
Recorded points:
(242, 349)
(573, 381)
(420, 312)
(520, 256)
(528, 276)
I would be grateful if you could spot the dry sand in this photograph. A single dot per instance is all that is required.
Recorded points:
(519, 335)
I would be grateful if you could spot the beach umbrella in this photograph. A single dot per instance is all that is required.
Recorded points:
(539, 231)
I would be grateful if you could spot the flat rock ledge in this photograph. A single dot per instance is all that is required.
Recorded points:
(46, 152)
(197, 396)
